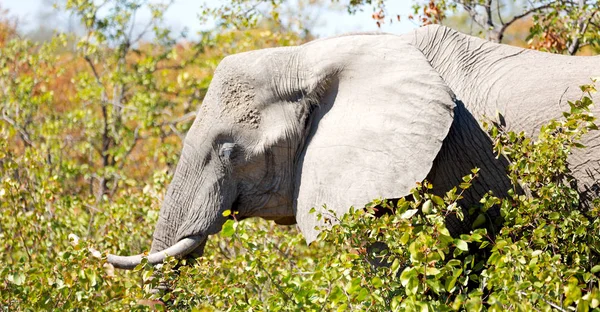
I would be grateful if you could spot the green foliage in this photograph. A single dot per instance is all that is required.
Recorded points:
(550, 243)
(87, 138)
(558, 26)
(242, 14)
(50, 258)
(130, 91)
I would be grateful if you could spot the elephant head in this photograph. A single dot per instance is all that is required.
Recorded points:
(339, 122)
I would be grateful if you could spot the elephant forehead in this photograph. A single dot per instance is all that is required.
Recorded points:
(241, 83)
(237, 100)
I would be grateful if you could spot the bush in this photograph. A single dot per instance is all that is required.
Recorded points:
(65, 196)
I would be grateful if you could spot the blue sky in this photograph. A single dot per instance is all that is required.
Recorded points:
(183, 13)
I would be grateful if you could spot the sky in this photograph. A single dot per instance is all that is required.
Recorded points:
(183, 13)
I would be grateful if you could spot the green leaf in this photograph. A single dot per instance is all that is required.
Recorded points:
(437, 200)
(536, 253)
(395, 265)
(147, 275)
(474, 304)
(554, 216)
(479, 221)
(362, 295)
(228, 228)
(450, 283)
(337, 294)
(461, 244)
(444, 231)
(409, 213)
(406, 275)
(435, 285)
(17, 278)
(343, 307)
(353, 286)
(431, 271)
(404, 238)
(595, 269)
(376, 282)
(427, 207)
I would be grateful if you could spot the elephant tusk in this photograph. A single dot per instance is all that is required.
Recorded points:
(179, 250)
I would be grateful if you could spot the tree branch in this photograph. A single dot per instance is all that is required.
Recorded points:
(524, 14)
(498, 12)
(581, 29)
(136, 138)
(94, 71)
(580, 25)
(183, 118)
(555, 306)
(520, 16)
(475, 17)
(22, 132)
(488, 12)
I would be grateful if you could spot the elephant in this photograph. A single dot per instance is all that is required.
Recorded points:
(344, 120)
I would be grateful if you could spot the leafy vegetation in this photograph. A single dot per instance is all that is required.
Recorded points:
(558, 26)
(91, 128)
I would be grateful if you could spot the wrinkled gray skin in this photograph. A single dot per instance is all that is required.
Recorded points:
(341, 121)
(528, 88)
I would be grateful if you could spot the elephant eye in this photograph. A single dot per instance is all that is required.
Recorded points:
(226, 150)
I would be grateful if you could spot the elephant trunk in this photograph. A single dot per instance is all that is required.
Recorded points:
(165, 242)
(189, 213)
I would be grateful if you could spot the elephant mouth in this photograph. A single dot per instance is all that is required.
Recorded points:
(179, 250)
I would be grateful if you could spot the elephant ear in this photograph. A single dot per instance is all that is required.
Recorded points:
(377, 128)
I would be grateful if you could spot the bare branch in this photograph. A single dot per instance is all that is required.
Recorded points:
(133, 18)
(94, 71)
(555, 306)
(475, 17)
(150, 23)
(582, 26)
(183, 118)
(498, 12)
(488, 12)
(520, 16)
(136, 138)
(143, 32)
(526, 13)
(92, 208)
(174, 130)
(22, 132)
